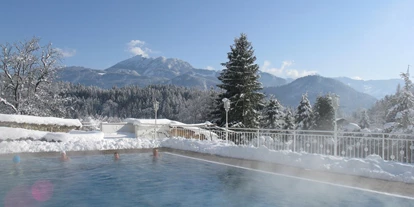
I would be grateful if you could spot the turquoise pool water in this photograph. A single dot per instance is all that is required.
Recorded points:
(140, 180)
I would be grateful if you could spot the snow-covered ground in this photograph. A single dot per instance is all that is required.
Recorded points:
(373, 166)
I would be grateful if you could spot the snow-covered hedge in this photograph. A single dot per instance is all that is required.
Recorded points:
(52, 124)
(10, 134)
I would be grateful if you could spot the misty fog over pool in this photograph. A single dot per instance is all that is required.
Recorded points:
(141, 180)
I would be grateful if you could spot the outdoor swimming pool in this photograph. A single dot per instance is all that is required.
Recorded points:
(140, 180)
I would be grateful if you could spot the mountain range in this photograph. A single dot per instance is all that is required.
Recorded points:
(144, 71)
(315, 85)
(376, 88)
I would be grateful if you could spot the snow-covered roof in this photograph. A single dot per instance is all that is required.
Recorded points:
(162, 122)
(351, 127)
(150, 121)
(192, 127)
(39, 120)
(389, 125)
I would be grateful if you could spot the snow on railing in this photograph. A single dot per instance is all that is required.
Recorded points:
(393, 147)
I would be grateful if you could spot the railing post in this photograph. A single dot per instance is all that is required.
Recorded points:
(258, 139)
(383, 146)
(294, 141)
(335, 141)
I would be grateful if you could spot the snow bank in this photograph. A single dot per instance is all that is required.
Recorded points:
(78, 145)
(39, 120)
(7, 133)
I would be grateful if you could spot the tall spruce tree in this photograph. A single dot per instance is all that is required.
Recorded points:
(324, 113)
(240, 84)
(303, 117)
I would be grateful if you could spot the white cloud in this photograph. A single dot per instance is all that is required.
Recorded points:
(66, 52)
(210, 68)
(132, 43)
(283, 71)
(357, 78)
(137, 47)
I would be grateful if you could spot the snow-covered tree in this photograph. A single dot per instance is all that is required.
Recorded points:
(379, 111)
(214, 114)
(272, 114)
(240, 83)
(27, 70)
(303, 117)
(324, 113)
(109, 108)
(401, 113)
(288, 120)
(364, 122)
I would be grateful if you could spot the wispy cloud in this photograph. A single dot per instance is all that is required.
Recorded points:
(66, 52)
(137, 47)
(210, 68)
(284, 71)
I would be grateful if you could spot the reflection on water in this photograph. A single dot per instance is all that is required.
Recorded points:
(141, 180)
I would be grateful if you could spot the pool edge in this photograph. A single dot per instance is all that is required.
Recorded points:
(364, 183)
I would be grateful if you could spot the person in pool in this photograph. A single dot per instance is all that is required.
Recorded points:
(155, 152)
(16, 159)
(63, 157)
(116, 156)
(17, 170)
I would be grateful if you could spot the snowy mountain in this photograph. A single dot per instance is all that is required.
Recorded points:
(269, 80)
(161, 66)
(103, 79)
(376, 88)
(144, 71)
(290, 94)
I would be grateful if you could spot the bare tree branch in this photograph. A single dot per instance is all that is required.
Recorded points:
(5, 102)
(25, 67)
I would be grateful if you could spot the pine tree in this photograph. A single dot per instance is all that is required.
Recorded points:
(403, 109)
(272, 115)
(324, 113)
(288, 120)
(240, 83)
(215, 103)
(364, 122)
(398, 90)
(303, 117)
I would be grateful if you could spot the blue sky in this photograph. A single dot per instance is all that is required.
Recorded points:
(369, 39)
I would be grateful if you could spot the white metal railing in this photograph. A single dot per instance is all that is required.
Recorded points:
(394, 147)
